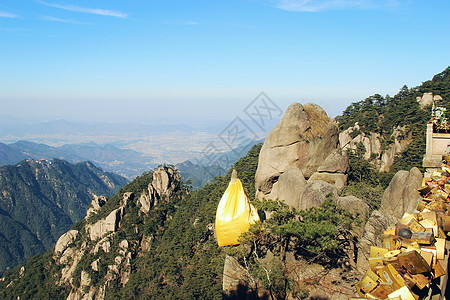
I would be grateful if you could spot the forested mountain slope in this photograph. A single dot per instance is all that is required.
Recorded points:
(383, 115)
(40, 200)
(172, 250)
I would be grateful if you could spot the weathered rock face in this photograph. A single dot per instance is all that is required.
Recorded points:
(165, 181)
(315, 193)
(401, 196)
(96, 203)
(336, 162)
(99, 237)
(290, 187)
(65, 240)
(334, 169)
(303, 139)
(233, 275)
(427, 99)
(336, 179)
(104, 226)
(382, 158)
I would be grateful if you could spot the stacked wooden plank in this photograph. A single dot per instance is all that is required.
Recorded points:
(412, 257)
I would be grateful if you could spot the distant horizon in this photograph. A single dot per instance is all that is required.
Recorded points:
(176, 60)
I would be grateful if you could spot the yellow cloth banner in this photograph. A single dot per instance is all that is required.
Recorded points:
(234, 215)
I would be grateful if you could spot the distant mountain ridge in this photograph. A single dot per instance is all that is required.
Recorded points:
(41, 199)
(127, 163)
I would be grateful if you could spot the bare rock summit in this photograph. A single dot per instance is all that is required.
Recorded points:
(294, 150)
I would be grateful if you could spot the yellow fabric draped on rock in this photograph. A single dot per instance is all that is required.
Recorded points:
(234, 214)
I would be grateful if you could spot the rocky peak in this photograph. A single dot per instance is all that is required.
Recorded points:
(96, 203)
(305, 141)
(164, 183)
(304, 137)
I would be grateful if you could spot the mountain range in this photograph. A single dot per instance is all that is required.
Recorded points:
(125, 162)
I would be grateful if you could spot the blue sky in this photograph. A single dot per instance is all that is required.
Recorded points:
(150, 60)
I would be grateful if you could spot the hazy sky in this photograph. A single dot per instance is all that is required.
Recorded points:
(147, 59)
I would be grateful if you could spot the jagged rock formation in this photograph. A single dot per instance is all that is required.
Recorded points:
(104, 226)
(92, 245)
(96, 203)
(163, 185)
(382, 158)
(65, 240)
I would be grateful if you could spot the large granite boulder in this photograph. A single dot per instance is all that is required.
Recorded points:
(290, 187)
(337, 179)
(315, 193)
(304, 138)
(336, 162)
(401, 196)
(333, 169)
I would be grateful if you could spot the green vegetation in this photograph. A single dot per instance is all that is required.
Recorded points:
(181, 259)
(41, 200)
(382, 115)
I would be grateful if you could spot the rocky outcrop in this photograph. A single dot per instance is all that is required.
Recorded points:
(65, 240)
(107, 225)
(376, 224)
(427, 99)
(293, 151)
(289, 187)
(336, 162)
(95, 246)
(304, 137)
(360, 211)
(333, 170)
(401, 196)
(234, 276)
(96, 203)
(381, 158)
(316, 192)
(165, 181)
